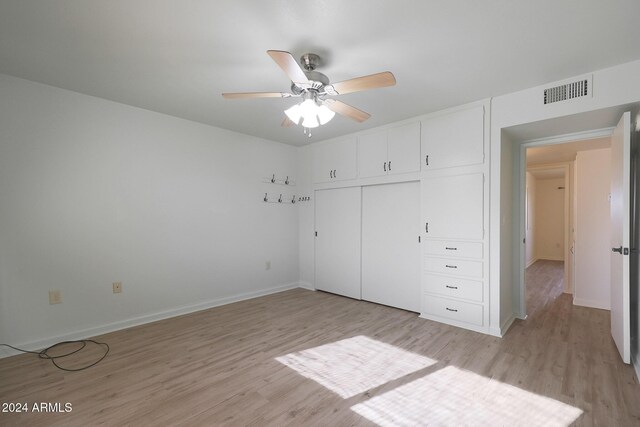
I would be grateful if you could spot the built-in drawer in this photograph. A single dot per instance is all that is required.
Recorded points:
(457, 267)
(454, 287)
(451, 309)
(453, 249)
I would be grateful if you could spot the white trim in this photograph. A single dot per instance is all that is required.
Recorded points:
(591, 304)
(636, 365)
(570, 137)
(306, 285)
(506, 325)
(147, 318)
(533, 261)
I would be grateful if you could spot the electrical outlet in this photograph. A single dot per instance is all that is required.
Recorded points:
(267, 265)
(117, 287)
(55, 297)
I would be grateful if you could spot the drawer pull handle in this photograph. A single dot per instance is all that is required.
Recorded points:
(451, 249)
(451, 309)
(451, 287)
(451, 266)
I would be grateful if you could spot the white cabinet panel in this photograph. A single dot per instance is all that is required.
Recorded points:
(404, 148)
(453, 249)
(454, 139)
(454, 310)
(334, 161)
(337, 243)
(390, 151)
(458, 267)
(452, 206)
(390, 248)
(372, 154)
(454, 287)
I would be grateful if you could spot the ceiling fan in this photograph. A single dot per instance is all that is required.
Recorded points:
(314, 87)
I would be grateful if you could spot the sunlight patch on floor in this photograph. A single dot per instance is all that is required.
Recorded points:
(452, 396)
(354, 365)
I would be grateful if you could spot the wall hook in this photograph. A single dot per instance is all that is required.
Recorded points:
(280, 199)
(286, 181)
(266, 199)
(293, 200)
(273, 178)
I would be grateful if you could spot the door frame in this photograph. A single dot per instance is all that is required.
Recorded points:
(539, 142)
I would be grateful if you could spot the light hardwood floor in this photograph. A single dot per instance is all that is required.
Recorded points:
(224, 366)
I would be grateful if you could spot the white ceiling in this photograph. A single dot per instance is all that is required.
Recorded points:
(547, 173)
(176, 57)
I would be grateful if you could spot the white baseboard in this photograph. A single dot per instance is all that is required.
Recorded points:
(306, 285)
(590, 303)
(533, 261)
(147, 318)
(506, 325)
(636, 365)
(549, 258)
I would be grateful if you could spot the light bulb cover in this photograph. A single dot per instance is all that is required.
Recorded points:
(325, 114)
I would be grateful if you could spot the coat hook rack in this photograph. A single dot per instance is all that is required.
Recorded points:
(281, 198)
(273, 179)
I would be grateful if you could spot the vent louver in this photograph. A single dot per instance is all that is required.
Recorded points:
(577, 89)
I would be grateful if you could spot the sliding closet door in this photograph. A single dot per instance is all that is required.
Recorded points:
(390, 247)
(337, 241)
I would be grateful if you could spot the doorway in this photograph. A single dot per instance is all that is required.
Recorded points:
(554, 189)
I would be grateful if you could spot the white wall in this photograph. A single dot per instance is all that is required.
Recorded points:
(94, 192)
(549, 218)
(593, 229)
(530, 226)
(612, 87)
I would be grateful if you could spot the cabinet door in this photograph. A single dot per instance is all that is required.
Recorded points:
(372, 154)
(334, 160)
(390, 248)
(337, 243)
(452, 206)
(455, 139)
(404, 149)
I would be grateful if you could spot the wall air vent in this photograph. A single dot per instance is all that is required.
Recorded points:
(572, 90)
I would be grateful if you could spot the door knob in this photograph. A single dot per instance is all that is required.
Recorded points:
(619, 250)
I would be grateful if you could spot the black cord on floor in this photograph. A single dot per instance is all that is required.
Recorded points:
(44, 354)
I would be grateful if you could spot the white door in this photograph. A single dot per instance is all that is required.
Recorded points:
(337, 241)
(620, 193)
(390, 247)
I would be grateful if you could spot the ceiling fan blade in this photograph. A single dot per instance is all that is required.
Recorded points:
(347, 110)
(289, 65)
(287, 123)
(240, 95)
(363, 83)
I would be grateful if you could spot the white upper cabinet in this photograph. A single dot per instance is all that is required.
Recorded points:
(453, 139)
(452, 206)
(372, 154)
(334, 161)
(390, 151)
(404, 148)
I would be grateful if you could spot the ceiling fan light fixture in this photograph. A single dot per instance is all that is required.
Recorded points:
(310, 112)
(325, 114)
(294, 113)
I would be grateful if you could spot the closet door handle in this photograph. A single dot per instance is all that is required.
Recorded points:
(334, 173)
(451, 287)
(450, 249)
(451, 309)
(426, 160)
(385, 166)
(426, 227)
(389, 165)
(451, 266)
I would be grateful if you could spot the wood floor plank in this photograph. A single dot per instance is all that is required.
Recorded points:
(220, 366)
